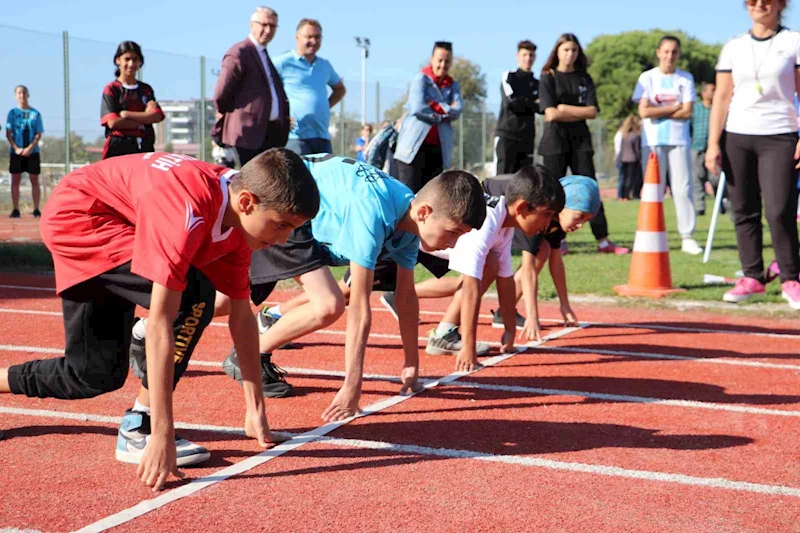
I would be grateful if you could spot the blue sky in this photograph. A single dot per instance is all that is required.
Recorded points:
(173, 34)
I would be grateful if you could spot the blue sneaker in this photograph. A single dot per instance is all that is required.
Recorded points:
(134, 433)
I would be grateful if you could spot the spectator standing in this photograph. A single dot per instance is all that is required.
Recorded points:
(24, 129)
(252, 109)
(129, 108)
(516, 128)
(753, 138)
(425, 142)
(567, 98)
(362, 141)
(630, 158)
(665, 96)
(700, 116)
(306, 78)
(617, 148)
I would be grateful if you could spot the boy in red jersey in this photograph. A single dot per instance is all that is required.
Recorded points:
(162, 231)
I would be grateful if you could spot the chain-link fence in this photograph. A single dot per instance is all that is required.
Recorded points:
(66, 75)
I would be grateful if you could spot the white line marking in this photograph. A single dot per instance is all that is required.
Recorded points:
(535, 462)
(24, 288)
(670, 357)
(247, 464)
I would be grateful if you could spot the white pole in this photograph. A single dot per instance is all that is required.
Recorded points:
(714, 217)
(363, 86)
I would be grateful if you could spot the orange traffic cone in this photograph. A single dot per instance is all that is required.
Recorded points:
(650, 275)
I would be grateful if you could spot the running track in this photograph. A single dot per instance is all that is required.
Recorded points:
(640, 421)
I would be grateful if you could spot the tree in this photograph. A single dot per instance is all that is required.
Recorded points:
(617, 60)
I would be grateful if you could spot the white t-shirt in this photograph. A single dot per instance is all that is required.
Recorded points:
(771, 111)
(473, 248)
(664, 90)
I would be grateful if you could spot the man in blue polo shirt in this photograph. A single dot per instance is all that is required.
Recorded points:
(306, 79)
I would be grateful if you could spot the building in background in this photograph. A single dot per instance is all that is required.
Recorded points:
(180, 129)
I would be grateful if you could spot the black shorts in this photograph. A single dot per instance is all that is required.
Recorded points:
(523, 243)
(385, 279)
(30, 164)
(301, 254)
(126, 145)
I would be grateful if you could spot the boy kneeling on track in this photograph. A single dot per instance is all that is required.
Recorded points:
(581, 205)
(162, 231)
(365, 218)
(528, 203)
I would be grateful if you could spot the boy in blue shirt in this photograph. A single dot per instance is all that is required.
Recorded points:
(365, 217)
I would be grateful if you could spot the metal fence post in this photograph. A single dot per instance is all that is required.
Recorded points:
(67, 148)
(377, 105)
(483, 134)
(202, 117)
(341, 127)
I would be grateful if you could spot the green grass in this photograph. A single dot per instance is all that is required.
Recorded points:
(588, 273)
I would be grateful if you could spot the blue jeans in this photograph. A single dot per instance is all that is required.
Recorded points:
(310, 146)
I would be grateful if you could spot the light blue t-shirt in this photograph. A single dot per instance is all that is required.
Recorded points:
(306, 85)
(24, 124)
(360, 208)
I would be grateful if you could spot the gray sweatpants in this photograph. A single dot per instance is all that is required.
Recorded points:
(678, 160)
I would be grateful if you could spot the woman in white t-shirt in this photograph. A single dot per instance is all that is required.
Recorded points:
(757, 78)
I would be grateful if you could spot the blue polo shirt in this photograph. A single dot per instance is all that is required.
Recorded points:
(306, 85)
(360, 208)
(24, 124)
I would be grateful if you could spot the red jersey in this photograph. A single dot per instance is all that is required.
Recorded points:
(161, 211)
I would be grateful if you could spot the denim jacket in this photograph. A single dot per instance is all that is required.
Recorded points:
(420, 117)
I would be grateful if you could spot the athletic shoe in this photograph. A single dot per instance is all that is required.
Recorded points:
(14, 214)
(134, 434)
(791, 293)
(387, 299)
(37, 213)
(138, 356)
(612, 248)
(450, 344)
(497, 320)
(273, 378)
(265, 321)
(772, 272)
(563, 247)
(744, 289)
(690, 246)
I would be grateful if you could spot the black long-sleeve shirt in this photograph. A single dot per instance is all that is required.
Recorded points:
(519, 91)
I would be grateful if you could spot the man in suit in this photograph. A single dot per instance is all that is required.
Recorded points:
(252, 108)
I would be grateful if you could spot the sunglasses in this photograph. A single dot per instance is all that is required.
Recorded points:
(754, 3)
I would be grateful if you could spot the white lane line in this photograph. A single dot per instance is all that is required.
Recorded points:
(24, 288)
(692, 404)
(196, 485)
(531, 462)
(671, 357)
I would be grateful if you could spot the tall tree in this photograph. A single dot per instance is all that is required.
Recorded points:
(617, 60)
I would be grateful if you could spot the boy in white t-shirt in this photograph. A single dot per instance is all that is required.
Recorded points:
(665, 96)
(532, 198)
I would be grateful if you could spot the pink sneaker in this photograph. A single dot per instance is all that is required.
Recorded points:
(772, 272)
(791, 293)
(744, 289)
(613, 249)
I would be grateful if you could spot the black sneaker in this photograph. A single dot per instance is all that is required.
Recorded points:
(37, 213)
(387, 299)
(14, 214)
(265, 321)
(497, 320)
(273, 377)
(138, 357)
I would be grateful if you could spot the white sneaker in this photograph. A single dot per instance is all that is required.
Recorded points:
(691, 247)
(134, 434)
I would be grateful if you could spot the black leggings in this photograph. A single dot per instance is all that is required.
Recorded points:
(756, 166)
(582, 164)
(98, 317)
(427, 164)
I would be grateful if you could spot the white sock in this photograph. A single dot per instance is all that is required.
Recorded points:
(275, 311)
(140, 329)
(603, 243)
(137, 406)
(444, 327)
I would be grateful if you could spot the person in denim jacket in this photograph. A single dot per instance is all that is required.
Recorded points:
(425, 143)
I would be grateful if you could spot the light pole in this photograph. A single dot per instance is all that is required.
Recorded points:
(363, 43)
